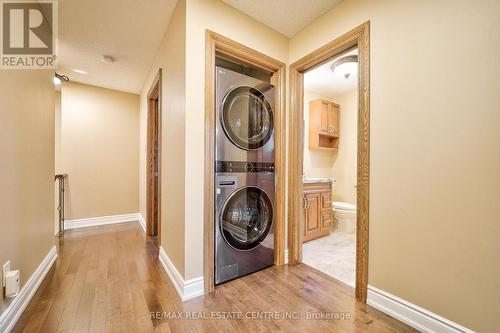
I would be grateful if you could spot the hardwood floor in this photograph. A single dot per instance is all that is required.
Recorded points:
(109, 279)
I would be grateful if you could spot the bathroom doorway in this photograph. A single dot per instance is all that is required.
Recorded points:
(330, 105)
(311, 214)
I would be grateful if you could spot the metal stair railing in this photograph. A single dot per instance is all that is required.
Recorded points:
(60, 207)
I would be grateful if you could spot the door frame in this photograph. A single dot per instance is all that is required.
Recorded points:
(154, 93)
(218, 44)
(360, 38)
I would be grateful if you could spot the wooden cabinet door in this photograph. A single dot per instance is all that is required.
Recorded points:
(325, 117)
(326, 212)
(323, 124)
(312, 222)
(318, 219)
(333, 119)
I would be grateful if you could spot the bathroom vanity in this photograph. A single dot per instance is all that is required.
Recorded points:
(317, 203)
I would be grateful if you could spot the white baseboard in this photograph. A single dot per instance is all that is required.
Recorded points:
(142, 221)
(14, 310)
(101, 220)
(186, 289)
(411, 314)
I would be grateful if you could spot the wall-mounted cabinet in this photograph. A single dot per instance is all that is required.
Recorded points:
(323, 124)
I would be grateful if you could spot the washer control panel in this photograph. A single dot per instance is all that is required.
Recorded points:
(243, 167)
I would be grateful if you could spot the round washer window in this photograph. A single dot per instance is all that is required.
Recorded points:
(247, 118)
(246, 219)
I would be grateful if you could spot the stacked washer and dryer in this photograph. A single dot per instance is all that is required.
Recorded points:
(244, 175)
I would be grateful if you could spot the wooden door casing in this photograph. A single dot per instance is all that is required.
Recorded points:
(359, 38)
(216, 44)
(153, 171)
(156, 170)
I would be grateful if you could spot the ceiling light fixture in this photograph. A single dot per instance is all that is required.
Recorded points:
(107, 59)
(79, 71)
(58, 78)
(345, 66)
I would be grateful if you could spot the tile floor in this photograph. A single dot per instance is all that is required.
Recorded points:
(334, 255)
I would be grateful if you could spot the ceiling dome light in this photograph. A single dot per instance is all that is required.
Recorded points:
(345, 66)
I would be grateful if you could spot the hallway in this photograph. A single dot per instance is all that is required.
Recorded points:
(108, 279)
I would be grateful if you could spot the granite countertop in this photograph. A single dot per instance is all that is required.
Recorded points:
(318, 180)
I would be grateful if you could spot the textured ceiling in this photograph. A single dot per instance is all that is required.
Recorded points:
(285, 16)
(128, 30)
(131, 31)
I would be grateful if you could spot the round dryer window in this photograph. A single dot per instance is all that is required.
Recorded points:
(246, 219)
(247, 118)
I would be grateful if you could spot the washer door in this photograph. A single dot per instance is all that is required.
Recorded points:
(247, 118)
(247, 217)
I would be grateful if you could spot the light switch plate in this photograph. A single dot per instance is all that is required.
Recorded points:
(5, 269)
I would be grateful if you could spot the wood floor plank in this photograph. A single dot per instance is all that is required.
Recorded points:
(109, 279)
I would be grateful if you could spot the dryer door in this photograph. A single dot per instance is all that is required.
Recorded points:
(247, 117)
(247, 217)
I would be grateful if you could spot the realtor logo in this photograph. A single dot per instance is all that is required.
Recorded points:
(29, 34)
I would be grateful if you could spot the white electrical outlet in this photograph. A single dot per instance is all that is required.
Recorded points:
(12, 284)
(5, 270)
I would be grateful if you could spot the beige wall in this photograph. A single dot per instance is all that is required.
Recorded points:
(435, 138)
(171, 58)
(26, 169)
(318, 163)
(225, 20)
(344, 165)
(99, 151)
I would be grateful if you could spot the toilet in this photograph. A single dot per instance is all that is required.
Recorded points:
(344, 214)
